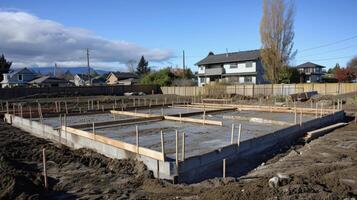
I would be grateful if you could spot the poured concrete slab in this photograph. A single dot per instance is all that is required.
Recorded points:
(83, 119)
(200, 138)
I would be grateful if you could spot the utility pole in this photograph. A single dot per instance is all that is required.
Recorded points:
(183, 63)
(89, 78)
(54, 70)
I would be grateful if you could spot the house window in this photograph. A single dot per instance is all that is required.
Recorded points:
(233, 65)
(19, 77)
(248, 79)
(202, 80)
(248, 64)
(234, 79)
(202, 68)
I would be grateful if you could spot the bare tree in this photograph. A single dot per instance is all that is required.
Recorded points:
(277, 35)
(130, 65)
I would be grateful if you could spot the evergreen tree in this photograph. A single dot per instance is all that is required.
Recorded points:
(142, 67)
(4, 66)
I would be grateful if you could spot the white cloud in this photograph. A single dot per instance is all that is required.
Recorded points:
(28, 40)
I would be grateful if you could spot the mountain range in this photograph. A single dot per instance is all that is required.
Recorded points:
(73, 70)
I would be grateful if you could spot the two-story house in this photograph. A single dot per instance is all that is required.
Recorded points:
(235, 68)
(310, 72)
(18, 77)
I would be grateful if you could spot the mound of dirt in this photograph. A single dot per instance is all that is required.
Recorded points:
(71, 173)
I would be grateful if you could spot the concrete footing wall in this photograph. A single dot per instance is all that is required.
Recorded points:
(161, 169)
(208, 165)
(193, 169)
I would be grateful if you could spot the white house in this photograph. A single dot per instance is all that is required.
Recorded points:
(81, 80)
(236, 67)
(18, 77)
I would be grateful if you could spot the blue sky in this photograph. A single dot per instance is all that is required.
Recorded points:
(201, 26)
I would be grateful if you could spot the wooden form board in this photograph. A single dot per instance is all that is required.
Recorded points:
(319, 132)
(187, 119)
(116, 143)
(117, 122)
(173, 118)
(132, 114)
(267, 108)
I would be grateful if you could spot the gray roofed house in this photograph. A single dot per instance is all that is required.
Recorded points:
(234, 67)
(310, 72)
(17, 77)
(49, 81)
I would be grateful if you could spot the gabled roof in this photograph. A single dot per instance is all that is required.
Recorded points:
(20, 71)
(48, 79)
(83, 76)
(230, 57)
(124, 75)
(309, 65)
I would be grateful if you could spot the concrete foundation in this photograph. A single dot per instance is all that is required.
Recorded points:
(206, 145)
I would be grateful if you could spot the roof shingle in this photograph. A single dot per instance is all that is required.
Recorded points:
(232, 57)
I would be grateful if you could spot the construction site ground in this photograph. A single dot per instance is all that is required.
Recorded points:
(325, 168)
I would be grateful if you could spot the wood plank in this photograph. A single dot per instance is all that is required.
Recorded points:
(187, 119)
(116, 143)
(132, 114)
(319, 132)
(117, 122)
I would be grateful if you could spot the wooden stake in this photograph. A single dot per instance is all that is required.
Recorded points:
(232, 134)
(183, 147)
(137, 138)
(295, 117)
(224, 168)
(180, 118)
(204, 116)
(93, 129)
(65, 105)
(316, 110)
(162, 111)
(239, 134)
(177, 148)
(162, 145)
(321, 109)
(300, 117)
(44, 167)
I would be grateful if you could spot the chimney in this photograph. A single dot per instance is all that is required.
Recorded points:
(226, 52)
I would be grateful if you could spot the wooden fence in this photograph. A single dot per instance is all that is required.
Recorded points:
(266, 89)
(8, 93)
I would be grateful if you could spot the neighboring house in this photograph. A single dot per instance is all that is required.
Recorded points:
(81, 79)
(99, 80)
(235, 68)
(310, 72)
(18, 77)
(122, 78)
(49, 81)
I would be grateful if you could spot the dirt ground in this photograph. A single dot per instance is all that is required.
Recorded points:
(325, 168)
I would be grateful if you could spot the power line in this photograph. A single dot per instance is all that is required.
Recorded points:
(327, 58)
(329, 44)
(343, 48)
